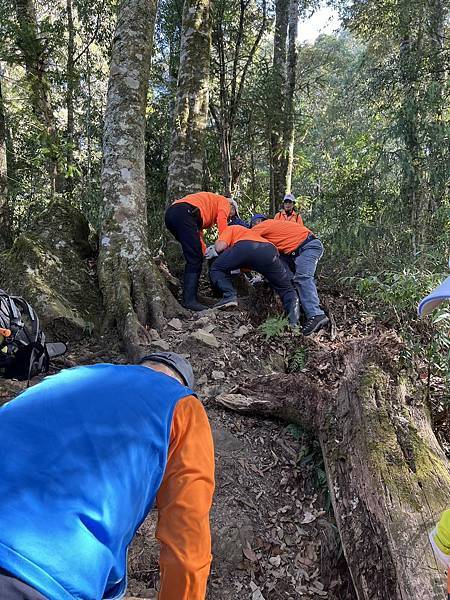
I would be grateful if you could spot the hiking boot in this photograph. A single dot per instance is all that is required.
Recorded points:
(226, 302)
(314, 324)
(190, 287)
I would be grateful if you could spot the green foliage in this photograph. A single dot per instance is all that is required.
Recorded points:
(274, 327)
(297, 360)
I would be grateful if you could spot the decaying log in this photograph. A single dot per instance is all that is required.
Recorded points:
(388, 477)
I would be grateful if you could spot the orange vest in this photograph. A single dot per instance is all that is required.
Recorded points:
(236, 233)
(285, 235)
(294, 217)
(214, 209)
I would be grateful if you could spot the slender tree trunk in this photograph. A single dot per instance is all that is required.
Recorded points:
(277, 99)
(5, 221)
(134, 293)
(70, 69)
(34, 59)
(438, 155)
(388, 478)
(191, 107)
(289, 111)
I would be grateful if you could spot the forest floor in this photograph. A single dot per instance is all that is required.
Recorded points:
(273, 531)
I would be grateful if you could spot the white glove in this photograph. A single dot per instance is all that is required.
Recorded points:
(211, 252)
(256, 279)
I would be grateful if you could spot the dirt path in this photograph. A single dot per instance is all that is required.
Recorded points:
(273, 532)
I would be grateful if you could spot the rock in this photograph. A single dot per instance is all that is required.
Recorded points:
(225, 442)
(209, 328)
(206, 338)
(161, 344)
(176, 324)
(47, 266)
(202, 380)
(218, 375)
(154, 335)
(243, 330)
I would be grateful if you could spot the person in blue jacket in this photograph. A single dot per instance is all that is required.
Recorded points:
(83, 457)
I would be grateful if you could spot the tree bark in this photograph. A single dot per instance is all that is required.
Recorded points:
(5, 220)
(388, 477)
(284, 70)
(191, 108)
(133, 289)
(289, 110)
(70, 70)
(33, 53)
(279, 77)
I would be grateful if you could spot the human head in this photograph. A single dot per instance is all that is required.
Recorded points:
(172, 364)
(234, 209)
(288, 203)
(438, 295)
(256, 219)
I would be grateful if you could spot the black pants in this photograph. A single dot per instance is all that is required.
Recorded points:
(260, 257)
(184, 223)
(12, 588)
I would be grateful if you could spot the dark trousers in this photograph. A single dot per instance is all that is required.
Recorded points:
(12, 588)
(260, 257)
(184, 223)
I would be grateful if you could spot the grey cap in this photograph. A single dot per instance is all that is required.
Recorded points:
(289, 198)
(174, 361)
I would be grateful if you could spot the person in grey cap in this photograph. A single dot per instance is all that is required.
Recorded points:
(288, 212)
(94, 448)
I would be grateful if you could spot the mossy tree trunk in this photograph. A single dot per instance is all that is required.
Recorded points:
(388, 477)
(191, 107)
(134, 293)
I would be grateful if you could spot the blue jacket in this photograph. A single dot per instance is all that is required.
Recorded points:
(82, 456)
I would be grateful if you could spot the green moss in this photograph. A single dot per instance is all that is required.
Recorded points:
(398, 454)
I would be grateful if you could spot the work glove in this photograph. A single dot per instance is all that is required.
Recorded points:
(256, 279)
(211, 252)
(440, 540)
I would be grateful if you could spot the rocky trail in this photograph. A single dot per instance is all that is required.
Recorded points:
(274, 535)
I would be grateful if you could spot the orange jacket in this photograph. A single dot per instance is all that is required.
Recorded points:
(294, 216)
(214, 209)
(184, 501)
(285, 235)
(236, 233)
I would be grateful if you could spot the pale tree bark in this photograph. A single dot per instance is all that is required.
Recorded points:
(282, 98)
(5, 221)
(191, 107)
(134, 293)
(388, 478)
(33, 53)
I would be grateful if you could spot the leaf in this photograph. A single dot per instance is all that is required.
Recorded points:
(250, 554)
(308, 518)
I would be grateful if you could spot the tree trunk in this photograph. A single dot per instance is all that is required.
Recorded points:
(388, 477)
(287, 162)
(33, 54)
(191, 108)
(70, 70)
(279, 76)
(133, 290)
(5, 221)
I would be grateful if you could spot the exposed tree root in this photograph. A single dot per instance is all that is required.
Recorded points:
(387, 475)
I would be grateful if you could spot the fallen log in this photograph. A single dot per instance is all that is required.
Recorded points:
(388, 477)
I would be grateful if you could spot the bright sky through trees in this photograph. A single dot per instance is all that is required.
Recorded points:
(324, 20)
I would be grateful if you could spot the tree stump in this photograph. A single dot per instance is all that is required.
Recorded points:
(388, 477)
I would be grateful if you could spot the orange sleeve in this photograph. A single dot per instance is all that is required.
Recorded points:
(277, 217)
(226, 236)
(183, 502)
(223, 212)
(300, 220)
(202, 242)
